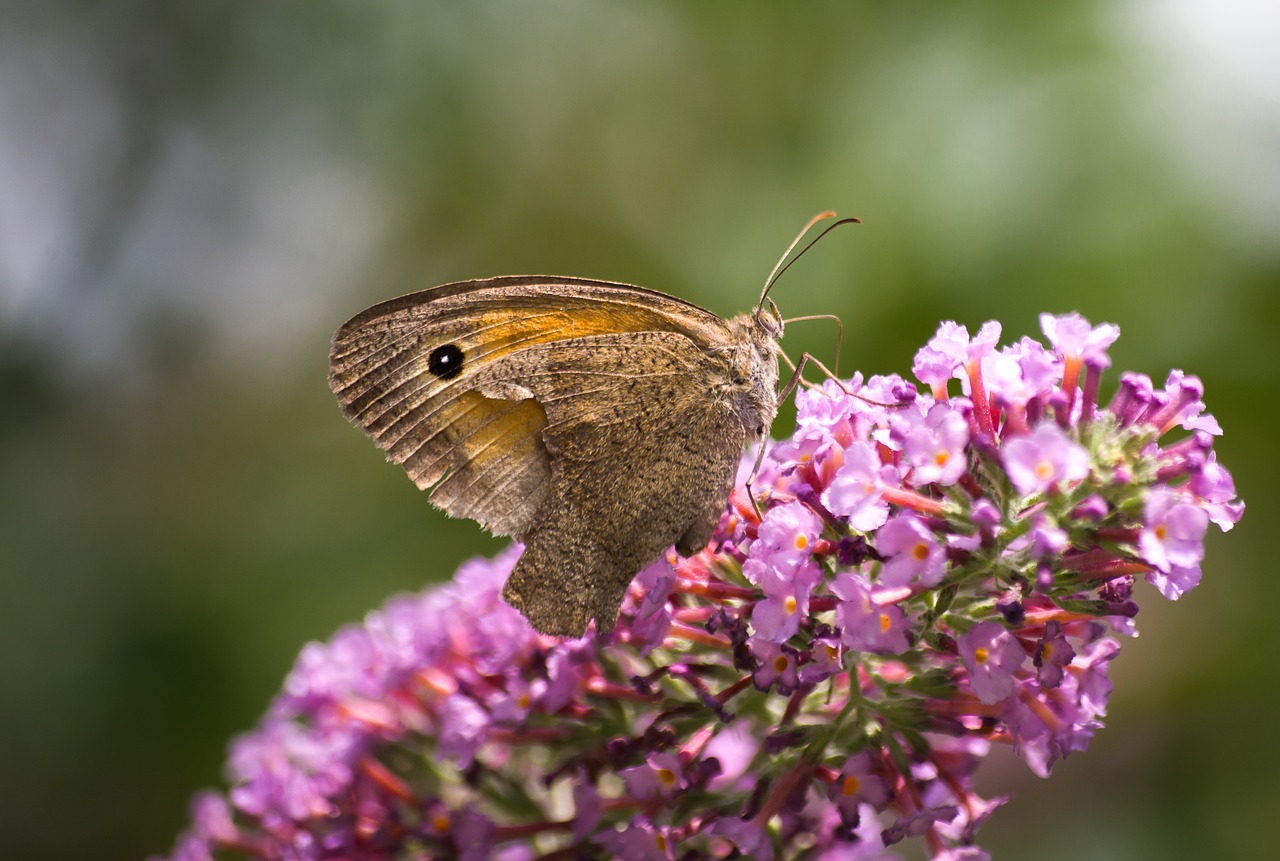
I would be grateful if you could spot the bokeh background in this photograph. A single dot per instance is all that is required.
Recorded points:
(194, 194)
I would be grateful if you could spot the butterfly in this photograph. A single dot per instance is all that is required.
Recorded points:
(597, 423)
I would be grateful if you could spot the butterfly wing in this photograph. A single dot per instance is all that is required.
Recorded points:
(528, 399)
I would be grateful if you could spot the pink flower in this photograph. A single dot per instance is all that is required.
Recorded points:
(992, 656)
(1073, 336)
(1044, 459)
(865, 625)
(935, 446)
(1174, 531)
(786, 537)
(913, 554)
(855, 492)
(786, 603)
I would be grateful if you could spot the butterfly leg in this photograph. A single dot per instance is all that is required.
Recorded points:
(797, 371)
(796, 379)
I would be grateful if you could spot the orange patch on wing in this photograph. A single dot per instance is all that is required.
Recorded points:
(502, 331)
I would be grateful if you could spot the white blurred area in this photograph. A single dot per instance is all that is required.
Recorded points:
(232, 224)
(1216, 92)
(245, 219)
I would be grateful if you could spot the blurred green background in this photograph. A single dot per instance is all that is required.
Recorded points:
(194, 194)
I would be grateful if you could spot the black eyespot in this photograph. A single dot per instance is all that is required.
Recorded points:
(445, 362)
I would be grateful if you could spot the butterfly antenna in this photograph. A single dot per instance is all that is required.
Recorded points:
(779, 268)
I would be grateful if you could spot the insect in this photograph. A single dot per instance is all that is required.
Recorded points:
(597, 423)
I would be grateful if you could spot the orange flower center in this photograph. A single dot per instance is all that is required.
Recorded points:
(981, 654)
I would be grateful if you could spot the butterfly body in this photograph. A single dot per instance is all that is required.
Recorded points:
(598, 423)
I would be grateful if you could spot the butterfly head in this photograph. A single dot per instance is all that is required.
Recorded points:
(768, 320)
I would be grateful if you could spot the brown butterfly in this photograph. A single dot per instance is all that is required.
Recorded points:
(597, 423)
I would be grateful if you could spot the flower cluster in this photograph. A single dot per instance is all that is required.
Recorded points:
(925, 575)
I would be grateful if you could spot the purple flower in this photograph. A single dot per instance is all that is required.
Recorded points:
(992, 656)
(639, 841)
(866, 626)
(512, 703)
(963, 853)
(1053, 652)
(565, 677)
(1073, 336)
(953, 340)
(473, 835)
(985, 515)
(463, 724)
(935, 446)
(855, 492)
(917, 823)
(747, 836)
(825, 660)
(1174, 531)
(1047, 540)
(1181, 405)
(292, 769)
(1058, 727)
(1132, 398)
(586, 807)
(786, 603)
(1175, 582)
(733, 748)
(823, 410)
(1092, 507)
(778, 666)
(1021, 372)
(912, 552)
(934, 367)
(212, 815)
(786, 539)
(661, 776)
(1216, 491)
(1044, 459)
(1093, 685)
(859, 782)
(656, 579)
(949, 350)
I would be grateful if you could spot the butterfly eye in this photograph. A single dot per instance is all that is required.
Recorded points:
(445, 362)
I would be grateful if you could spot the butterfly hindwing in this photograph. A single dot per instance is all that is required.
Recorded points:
(641, 455)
